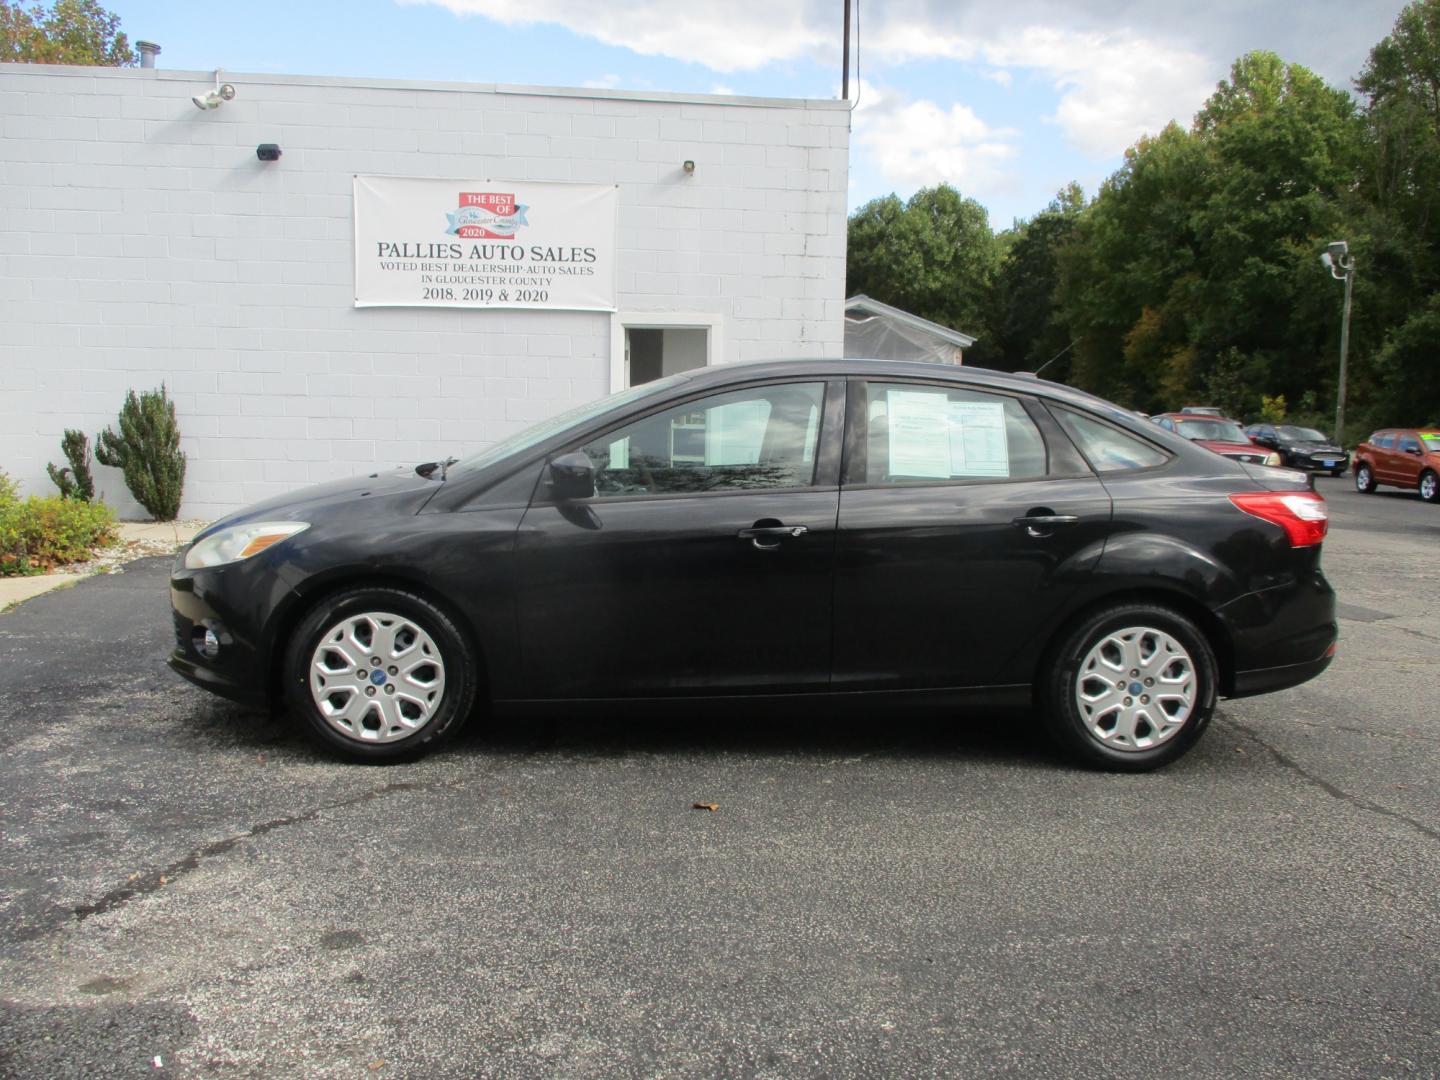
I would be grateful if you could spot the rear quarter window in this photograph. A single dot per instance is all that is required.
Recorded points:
(1108, 449)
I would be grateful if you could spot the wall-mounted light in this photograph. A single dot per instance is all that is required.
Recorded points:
(268, 151)
(689, 168)
(212, 99)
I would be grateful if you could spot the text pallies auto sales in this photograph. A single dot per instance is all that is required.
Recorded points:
(485, 252)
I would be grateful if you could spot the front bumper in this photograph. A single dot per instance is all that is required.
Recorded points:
(208, 600)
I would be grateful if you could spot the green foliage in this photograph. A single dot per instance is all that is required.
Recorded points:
(147, 450)
(76, 482)
(40, 533)
(68, 32)
(934, 256)
(1272, 409)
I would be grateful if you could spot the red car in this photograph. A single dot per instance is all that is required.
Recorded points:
(1400, 457)
(1226, 437)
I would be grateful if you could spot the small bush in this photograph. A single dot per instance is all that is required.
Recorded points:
(147, 449)
(76, 482)
(40, 533)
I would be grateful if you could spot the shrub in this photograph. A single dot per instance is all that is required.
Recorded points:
(76, 482)
(1272, 409)
(147, 450)
(40, 533)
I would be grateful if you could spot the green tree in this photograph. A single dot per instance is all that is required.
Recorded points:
(1026, 330)
(934, 256)
(68, 32)
(1194, 273)
(147, 450)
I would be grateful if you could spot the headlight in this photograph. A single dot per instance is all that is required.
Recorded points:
(240, 542)
(1272, 458)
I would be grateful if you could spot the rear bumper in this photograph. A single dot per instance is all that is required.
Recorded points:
(1282, 636)
(1265, 680)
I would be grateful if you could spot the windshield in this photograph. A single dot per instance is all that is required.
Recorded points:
(1432, 440)
(532, 436)
(1301, 434)
(1213, 430)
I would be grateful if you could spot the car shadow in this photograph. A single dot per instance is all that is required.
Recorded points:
(1011, 737)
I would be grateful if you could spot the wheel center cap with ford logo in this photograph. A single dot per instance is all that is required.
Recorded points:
(377, 677)
(1135, 687)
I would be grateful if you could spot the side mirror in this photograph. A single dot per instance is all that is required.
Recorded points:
(572, 476)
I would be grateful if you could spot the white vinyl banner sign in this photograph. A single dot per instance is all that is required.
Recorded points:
(484, 244)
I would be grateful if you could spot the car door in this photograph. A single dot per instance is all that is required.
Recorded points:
(1408, 459)
(966, 521)
(703, 562)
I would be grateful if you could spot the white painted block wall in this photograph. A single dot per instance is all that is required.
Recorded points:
(141, 242)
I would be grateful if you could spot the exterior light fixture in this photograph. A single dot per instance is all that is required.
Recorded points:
(213, 99)
(268, 151)
(689, 168)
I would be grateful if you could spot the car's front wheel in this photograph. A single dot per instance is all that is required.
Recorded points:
(1131, 687)
(1429, 486)
(380, 673)
(1364, 479)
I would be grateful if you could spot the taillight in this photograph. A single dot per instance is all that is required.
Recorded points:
(1301, 514)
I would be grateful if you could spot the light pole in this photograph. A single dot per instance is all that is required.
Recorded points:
(1341, 265)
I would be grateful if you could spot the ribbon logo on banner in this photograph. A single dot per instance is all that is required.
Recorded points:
(486, 214)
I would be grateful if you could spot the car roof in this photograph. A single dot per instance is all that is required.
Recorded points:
(1017, 381)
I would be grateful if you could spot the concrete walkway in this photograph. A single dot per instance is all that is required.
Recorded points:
(137, 540)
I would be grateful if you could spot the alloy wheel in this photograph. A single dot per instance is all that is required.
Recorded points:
(377, 677)
(1136, 688)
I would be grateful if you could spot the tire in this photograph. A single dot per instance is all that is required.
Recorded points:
(338, 677)
(1084, 702)
(1430, 486)
(1364, 479)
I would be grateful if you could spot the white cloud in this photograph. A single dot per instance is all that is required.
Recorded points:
(734, 35)
(920, 143)
(1112, 88)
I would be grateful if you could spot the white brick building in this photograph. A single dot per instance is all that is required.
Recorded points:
(141, 241)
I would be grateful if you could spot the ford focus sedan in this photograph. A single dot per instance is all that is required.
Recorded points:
(799, 532)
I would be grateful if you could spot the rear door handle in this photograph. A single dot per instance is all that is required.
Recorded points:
(768, 537)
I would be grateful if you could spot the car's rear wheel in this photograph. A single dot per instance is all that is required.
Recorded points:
(1429, 486)
(1364, 479)
(1131, 687)
(380, 674)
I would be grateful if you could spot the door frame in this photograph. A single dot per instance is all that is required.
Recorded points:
(711, 322)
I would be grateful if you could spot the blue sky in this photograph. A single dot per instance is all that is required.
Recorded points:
(1008, 102)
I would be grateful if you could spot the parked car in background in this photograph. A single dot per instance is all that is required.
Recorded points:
(1400, 457)
(870, 533)
(1301, 447)
(1203, 410)
(1224, 437)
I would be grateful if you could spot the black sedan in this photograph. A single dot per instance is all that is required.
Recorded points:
(804, 531)
(1302, 447)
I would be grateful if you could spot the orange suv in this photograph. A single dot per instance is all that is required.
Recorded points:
(1400, 457)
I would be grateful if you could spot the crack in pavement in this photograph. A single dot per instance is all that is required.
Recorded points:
(157, 879)
(1327, 787)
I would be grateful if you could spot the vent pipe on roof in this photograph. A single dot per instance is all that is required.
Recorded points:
(148, 51)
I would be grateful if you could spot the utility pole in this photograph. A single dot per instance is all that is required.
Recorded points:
(1341, 265)
(845, 59)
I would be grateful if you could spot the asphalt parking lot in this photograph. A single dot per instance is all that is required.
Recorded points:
(188, 888)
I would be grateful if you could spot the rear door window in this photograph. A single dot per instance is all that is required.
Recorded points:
(1385, 441)
(918, 432)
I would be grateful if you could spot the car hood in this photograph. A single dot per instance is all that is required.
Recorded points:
(398, 490)
(1231, 447)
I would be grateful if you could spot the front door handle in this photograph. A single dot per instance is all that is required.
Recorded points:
(768, 537)
(1038, 525)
